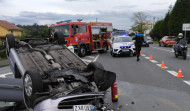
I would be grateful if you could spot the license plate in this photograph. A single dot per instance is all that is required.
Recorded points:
(125, 49)
(83, 107)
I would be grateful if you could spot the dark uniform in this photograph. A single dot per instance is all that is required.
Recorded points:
(139, 39)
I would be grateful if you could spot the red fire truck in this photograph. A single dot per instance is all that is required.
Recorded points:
(85, 37)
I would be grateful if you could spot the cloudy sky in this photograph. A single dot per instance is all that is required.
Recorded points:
(119, 12)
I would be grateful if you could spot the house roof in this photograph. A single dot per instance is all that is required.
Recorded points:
(9, 26)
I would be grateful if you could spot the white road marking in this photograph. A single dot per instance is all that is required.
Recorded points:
(187, 82)
(172, 73)
(147, 57)
(3, 75)
(143, 55)
(188, 55)
(153, 61)
(87, 60)
(162, 49)
(160, 65)
(96, 58)
(91, 57)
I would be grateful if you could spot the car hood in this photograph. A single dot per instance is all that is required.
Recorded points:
(123, 44)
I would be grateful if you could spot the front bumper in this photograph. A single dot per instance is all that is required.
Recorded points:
(124, 51)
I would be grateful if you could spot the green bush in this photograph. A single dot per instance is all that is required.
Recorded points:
(3, 54)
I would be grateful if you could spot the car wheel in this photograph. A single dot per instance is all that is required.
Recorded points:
(32, 84)
(82, 51)
(147, 45)
(164, 44)
(113, 55)
(159, 44)
(10, 43)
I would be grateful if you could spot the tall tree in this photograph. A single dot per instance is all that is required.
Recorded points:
(139, 19)
(179, 15)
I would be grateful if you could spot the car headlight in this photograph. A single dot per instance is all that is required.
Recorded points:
(133, 46)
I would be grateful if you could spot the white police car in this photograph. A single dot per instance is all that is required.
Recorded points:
(122, 45)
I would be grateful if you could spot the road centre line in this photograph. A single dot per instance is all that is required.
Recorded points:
(160, 65)
(147, 57)
(96, 58)
(187, 82)
(153, 61)
(3, 75)
(172, 73)
(162, 49)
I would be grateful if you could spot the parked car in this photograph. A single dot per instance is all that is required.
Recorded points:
(122, 45)
(167, 41)
(149, 40)
(145, 43)
(54, 78)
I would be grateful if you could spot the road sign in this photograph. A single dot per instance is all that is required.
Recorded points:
(186, 27)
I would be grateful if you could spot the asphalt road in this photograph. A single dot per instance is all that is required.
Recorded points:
(144, 85)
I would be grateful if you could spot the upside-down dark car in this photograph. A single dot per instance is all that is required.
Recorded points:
(54, 78)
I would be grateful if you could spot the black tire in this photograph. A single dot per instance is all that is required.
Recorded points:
(176, 55)
(159, 44)
(82, 51)
(105, 48)
(147, 45)
(184, 56)
(164, 44)
(113, 55)
(10, 43)
(32, 84)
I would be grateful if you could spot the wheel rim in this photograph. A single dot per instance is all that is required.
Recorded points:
(7, 46)
(83, 51)
(28, 85)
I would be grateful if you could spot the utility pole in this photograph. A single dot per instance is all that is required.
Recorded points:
(96, 19)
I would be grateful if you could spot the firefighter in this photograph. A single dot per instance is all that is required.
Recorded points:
(139, 39)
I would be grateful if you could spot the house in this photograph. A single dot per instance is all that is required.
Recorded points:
(6, 27)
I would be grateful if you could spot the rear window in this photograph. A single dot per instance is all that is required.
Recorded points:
(171, 37)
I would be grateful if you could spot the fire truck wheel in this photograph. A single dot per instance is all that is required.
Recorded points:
(82, 51)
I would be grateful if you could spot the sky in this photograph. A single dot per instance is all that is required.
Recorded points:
(118, 12)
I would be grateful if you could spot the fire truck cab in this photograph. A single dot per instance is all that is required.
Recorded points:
(85, 37)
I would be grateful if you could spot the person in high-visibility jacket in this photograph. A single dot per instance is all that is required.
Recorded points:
(139, 39)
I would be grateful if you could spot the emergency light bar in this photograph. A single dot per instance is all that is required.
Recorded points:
(63, 21)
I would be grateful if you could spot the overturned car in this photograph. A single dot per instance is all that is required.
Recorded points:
(54, 78)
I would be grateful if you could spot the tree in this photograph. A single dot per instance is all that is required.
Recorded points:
(179, 15)
(139, 19)
(156, 31)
